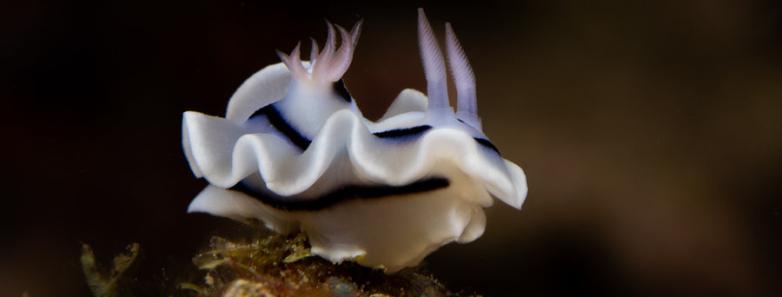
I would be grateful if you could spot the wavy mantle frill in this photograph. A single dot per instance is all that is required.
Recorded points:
(225, 154)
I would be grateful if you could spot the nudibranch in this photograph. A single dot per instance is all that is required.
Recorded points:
(296, 153)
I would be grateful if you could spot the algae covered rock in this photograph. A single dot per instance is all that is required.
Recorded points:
(264, 265)
(279, 265)
(245, 288)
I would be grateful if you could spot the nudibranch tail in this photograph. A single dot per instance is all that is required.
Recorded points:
(313, 51)
(355, 32)
(324, 57)
(434, 65)
(342, 57)
(464, 79)
(330, 64)
(293, 62)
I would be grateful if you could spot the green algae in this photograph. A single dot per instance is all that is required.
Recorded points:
(107, 282)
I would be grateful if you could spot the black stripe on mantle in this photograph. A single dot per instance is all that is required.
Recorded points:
(342, 194)
(341, 90)
(482, 141)
(302, 142)
(282, 125)
(485, 142)
(417, 130)
(403, 132)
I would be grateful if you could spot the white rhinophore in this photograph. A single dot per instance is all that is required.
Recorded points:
(464, 79)
(434, 65)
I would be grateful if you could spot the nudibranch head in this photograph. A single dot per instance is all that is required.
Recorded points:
(294, 152)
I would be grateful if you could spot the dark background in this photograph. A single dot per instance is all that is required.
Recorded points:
(650, 133)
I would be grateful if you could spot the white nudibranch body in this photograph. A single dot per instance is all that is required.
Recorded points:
(295, 152)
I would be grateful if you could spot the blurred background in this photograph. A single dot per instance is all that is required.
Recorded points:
(650, 131)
